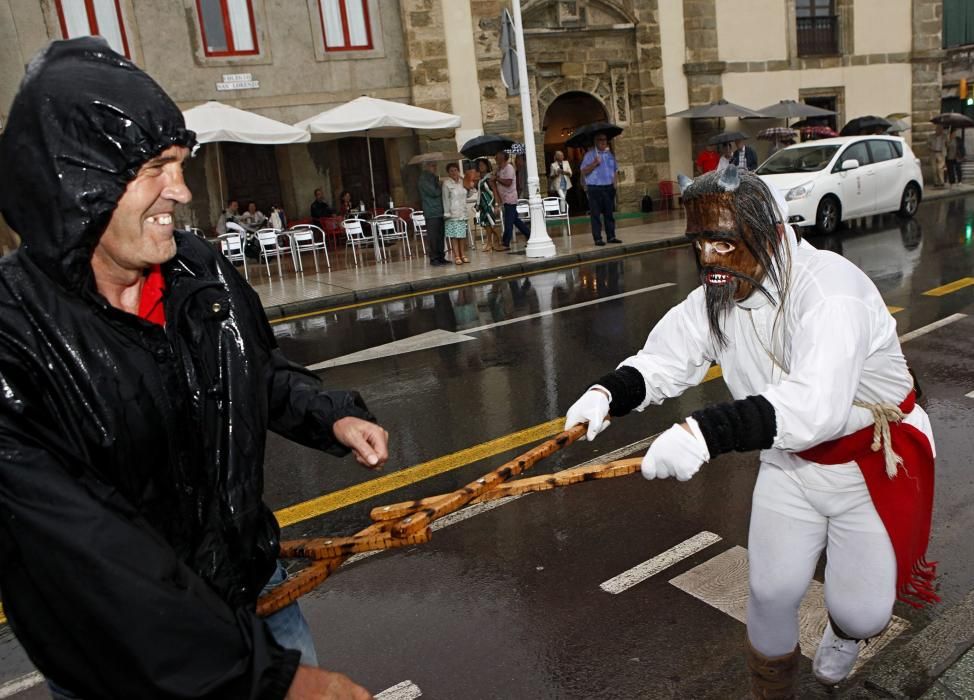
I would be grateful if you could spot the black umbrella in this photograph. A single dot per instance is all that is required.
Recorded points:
(727, 137)
(954, 120)
(584, 135)
(866, 125)
(787, 109)
(486, 145)
(720, 108)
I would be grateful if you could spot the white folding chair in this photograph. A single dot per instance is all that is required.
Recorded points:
(303, 239)
(523, 210)
(356, 237)
(419, 228)
(234, 227)
(390, 228)
(556, 208)
(232, 246)
(270, 245)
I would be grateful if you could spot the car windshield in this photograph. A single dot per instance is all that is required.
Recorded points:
(805, 159)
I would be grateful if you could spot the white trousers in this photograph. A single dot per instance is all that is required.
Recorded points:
(790, 526)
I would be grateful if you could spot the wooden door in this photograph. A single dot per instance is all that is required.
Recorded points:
(250, 174)
(355, 171)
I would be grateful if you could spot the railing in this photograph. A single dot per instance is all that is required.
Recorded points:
(818, 36)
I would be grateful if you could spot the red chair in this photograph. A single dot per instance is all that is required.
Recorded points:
(667, 194)
(332, 226)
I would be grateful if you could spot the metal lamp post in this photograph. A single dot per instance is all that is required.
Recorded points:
(540, 244)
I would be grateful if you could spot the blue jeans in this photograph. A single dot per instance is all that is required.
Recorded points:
(287, 626)
(601, 201)
(511, 221)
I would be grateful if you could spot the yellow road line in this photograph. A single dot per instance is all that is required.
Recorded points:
(948, 288)
(477, 283)
(411, 475)
(894, 309)
(405, 477)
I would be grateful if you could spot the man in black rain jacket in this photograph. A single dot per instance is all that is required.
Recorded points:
(138, 379)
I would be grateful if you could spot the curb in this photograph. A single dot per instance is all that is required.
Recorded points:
(276, 312)
(527, 267)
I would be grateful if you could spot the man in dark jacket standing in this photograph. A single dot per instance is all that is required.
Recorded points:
(139, 378)
(431, 194)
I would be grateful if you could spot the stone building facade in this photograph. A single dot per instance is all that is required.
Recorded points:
(631, 62)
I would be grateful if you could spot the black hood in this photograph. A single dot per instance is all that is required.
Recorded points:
(82, 124)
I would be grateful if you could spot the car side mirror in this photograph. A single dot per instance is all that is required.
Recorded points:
(850, 164)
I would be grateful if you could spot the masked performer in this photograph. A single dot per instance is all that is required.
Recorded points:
(810, 355)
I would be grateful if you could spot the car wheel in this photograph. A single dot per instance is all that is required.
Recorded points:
(910, 200)
(828, 216)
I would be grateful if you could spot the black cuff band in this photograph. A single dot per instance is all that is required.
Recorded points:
(627, 388)
(748, 424)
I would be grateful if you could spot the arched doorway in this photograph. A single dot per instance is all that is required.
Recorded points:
(565, 114)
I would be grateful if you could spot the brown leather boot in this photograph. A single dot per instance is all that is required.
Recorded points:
(772, 677)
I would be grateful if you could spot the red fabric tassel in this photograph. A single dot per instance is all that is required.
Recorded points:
(904, 503)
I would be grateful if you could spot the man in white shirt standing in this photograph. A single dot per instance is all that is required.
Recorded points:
(811, 356)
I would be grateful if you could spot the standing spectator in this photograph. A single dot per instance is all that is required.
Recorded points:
(521, 168)
(151, 360)
(937, 143)
(432, 199)
(320, 209)
(506, 185)
(455, 212)
(486, 203)
(601, 173)
(781, 143)
(560, 176)
(955, 155)
(744, 157)
(706, 161)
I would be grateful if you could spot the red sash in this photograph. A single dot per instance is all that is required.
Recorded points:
(904, 503)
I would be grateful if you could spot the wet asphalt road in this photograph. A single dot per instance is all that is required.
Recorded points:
(507, 604)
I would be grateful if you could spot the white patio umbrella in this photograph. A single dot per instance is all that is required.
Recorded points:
(215, 121)
(368, 117)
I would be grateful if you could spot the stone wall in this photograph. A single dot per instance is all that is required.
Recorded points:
(610, 50)
(926, 61)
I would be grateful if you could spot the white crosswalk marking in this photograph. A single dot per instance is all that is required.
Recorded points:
(638, 574)
(721, 582)
(407, 690)
(19, 685)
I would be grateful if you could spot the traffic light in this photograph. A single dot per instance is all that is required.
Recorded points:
(962, 89)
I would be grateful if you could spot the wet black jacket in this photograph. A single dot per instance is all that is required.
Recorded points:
(133, 537)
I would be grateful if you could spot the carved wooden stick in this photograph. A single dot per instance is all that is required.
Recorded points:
(421, 519)
(567, 477)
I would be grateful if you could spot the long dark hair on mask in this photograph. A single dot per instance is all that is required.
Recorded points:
(754, 210)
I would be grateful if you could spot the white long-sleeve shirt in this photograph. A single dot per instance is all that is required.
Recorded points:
(833, 341)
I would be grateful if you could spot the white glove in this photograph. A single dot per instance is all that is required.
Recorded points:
(592, 407)
(677, 452)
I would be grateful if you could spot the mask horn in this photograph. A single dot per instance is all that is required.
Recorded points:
(730, 179)
(683, 181)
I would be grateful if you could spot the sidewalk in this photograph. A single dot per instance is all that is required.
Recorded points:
(299, 293)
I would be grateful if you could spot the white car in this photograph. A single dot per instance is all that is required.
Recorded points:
(829, 181)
